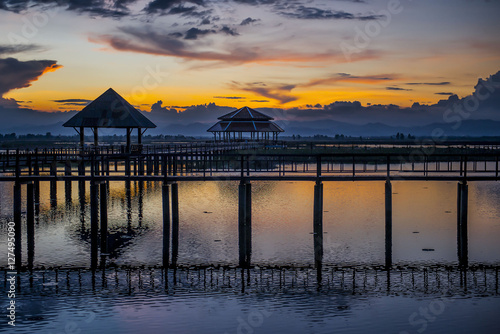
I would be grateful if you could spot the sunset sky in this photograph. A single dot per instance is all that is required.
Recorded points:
(57, 55)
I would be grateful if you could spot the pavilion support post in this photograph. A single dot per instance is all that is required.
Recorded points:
(462, 215)
(318, 223)
(82, 138)
(175, 222)
(104, 217)
(128, 140)
(388, 224)
(166, 224)
(30, 222)
(96, 137)
(94, 223)
(139, 136)
(17, 225)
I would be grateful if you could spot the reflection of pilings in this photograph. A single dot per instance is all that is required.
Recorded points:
(462, 212)
(67, 184)
(104, 216)
(53, 184)
(388, 224)
(128, 198)
(245, 223)
(81, 197)
(175, 223)
(94, 223)
(17, 224)
(141, 202)
(36, 185)
(166, 224)
(318, 223)
(30, 223)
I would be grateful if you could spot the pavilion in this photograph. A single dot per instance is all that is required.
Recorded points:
(110, 110)
(232, 126)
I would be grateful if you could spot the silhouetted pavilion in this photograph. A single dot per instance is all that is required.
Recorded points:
(245, 120)
(110, 110)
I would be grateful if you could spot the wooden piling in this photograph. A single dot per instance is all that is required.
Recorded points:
(166, 224)
(248, 223)
(175, 222)
(318, 223)
(242, 223)
(463, 198)
(17, 225)
(388, 224)
(104, 216)
(67, 183)
(30, 223)
(94, 223)
(53, 184)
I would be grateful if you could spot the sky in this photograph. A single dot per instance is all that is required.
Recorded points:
(398, 62)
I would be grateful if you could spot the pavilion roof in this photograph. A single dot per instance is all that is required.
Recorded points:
(109, 110)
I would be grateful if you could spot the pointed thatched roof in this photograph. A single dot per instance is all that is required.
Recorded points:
(245, 120)
(245, 114)
(109, 110)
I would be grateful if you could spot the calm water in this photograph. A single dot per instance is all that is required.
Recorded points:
(424, 218)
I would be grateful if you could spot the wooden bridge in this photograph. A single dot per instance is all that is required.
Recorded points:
(244, 162)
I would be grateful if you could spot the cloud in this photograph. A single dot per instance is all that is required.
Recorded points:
(346, 77)
(193, 33)
(153, 41)
(161, 6)
(259, 101)
(9, 49)
(280, 93)
(230, 97)
(444, 93)
(73, 102)
(398, 88)
(229, 31)
(102, 8)
(313, 13)
(444, 83)
(248, 21)
(15, 74)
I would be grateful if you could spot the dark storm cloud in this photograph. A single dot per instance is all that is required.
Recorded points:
(9, 49)
(16, 74)
(102, 8)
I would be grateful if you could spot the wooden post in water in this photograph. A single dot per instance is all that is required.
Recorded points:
(242, 219)
(94, 223)
(462, 233)
(30, 223)
(166, 224)
(388, 224)
(104, 216)
(175, 222)
(17, 225)
(318, 223)
(248, 223)
(67, 183)
(53, 184)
